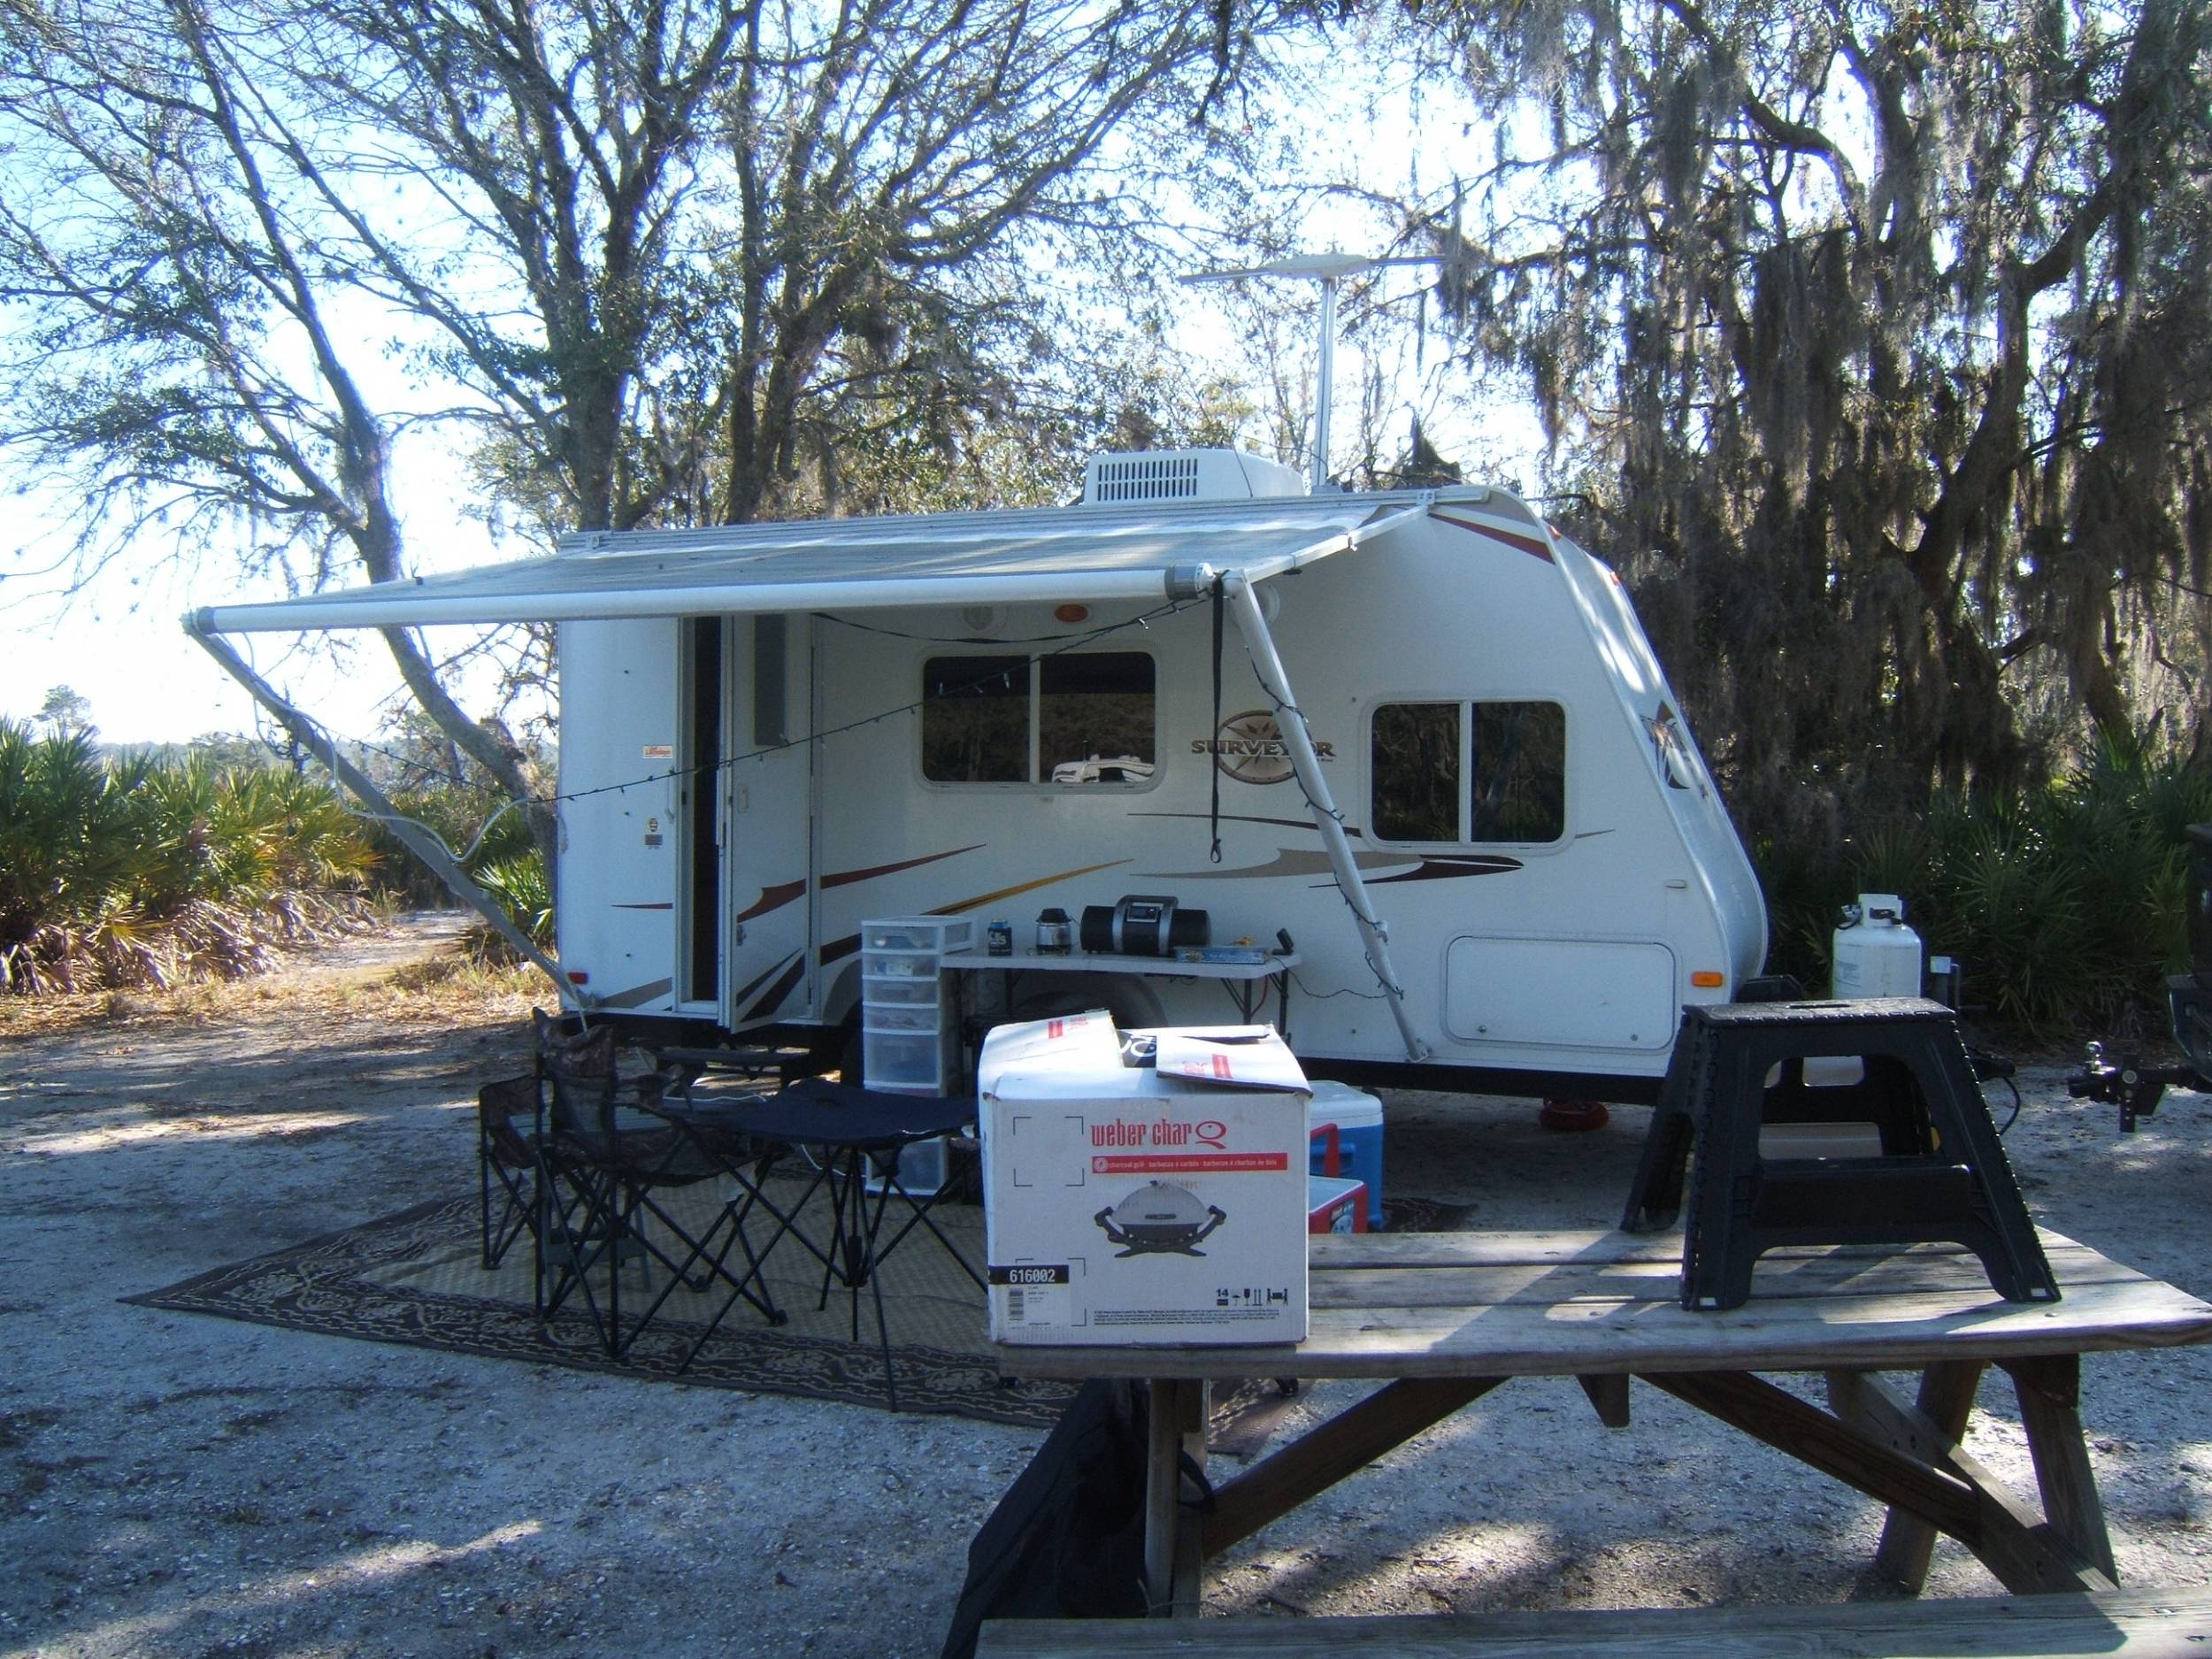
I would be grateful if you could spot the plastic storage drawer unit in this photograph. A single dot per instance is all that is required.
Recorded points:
(903, 1059)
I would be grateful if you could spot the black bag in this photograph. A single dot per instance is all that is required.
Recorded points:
(1067, 1541)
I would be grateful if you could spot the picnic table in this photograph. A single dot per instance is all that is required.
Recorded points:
(1444, 1318)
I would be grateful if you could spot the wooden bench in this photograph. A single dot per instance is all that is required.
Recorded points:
(2135, 1624)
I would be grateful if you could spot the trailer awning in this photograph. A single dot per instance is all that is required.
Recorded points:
(1091, 553)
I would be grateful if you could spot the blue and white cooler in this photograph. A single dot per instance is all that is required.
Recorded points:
(1358, 1117)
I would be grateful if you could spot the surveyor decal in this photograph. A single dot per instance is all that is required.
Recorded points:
(1249, 748)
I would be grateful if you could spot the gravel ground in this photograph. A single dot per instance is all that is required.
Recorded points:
(175, 1484)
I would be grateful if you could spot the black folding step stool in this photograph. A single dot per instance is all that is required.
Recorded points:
(1942, 1176)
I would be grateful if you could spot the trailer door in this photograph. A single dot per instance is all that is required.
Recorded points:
(768, 804)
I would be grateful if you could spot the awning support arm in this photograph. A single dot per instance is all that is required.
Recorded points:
(1306, 763)
(417, 839)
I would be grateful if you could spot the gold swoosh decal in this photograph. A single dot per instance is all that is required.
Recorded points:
(957, 905)
(837, 948)
(1286, 863)
(774, 898)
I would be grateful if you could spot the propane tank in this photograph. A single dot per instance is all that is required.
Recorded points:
(1875, 954)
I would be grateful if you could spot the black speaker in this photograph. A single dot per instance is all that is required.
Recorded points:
(1144, 924)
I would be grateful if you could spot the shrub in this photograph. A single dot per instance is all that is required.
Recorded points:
(2064, 904)
(518, 883)
(491, 842)
(134, 872)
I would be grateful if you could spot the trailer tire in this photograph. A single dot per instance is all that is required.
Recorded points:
(1131, 1003)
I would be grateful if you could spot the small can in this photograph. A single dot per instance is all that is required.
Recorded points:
(998, 939)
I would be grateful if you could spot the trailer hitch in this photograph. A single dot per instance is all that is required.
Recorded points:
(2126, 1082)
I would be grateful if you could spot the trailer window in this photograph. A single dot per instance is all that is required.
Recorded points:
(1520, 771)
(1458, 772)
(1415, 772)
(1094, 718)
(975, 720)
(1093, 713)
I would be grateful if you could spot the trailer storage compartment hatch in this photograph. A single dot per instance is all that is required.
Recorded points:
(1572, 992)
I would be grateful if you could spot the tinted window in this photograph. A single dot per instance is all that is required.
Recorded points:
(1418, 789)
(1520, 764)
(1093, 711)
(1414, 774)
(975, 720)
(1094, 717)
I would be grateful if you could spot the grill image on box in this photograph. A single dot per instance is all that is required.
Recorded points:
(1160, 1216)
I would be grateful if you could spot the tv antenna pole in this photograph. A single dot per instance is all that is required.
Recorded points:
(1329, 270)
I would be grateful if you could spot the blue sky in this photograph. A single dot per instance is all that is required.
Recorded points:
(118, 641)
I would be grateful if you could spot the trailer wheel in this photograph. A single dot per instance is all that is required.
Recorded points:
(1131, 1001)
(1573, 1116)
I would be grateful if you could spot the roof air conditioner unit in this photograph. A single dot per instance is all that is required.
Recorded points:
(1186, 475)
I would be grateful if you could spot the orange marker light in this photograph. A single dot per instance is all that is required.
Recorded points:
(1071, 613)
(1706, 979)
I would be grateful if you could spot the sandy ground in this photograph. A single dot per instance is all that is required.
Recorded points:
(177, 1485)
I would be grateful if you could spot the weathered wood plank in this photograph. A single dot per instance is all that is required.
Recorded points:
(1608, 1395)
(1822, 1278)
(2049, 1391)
(1967, 1501)
(1945, 1401)
(1586, 1245)
(1192, 1402)
(1162, 1477)
(2122, 1625)
(1325, 1454)
(1596, 1337)
(1834, 1447)
(1481, 1249)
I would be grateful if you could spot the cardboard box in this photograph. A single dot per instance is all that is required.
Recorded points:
(1143, 1187)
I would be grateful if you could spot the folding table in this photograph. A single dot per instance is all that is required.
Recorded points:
(1247, 983)
(853, 1137)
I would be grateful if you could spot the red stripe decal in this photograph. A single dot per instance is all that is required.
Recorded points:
(846, 876)
(774, 997)
(773, 899)
(1519, 543)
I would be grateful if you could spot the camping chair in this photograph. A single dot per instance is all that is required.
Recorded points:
(507, 1161)
(608, 1150)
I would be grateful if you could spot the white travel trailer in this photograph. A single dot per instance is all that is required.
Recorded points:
(1420, 733)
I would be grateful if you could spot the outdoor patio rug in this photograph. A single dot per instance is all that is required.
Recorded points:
(415, 1277)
